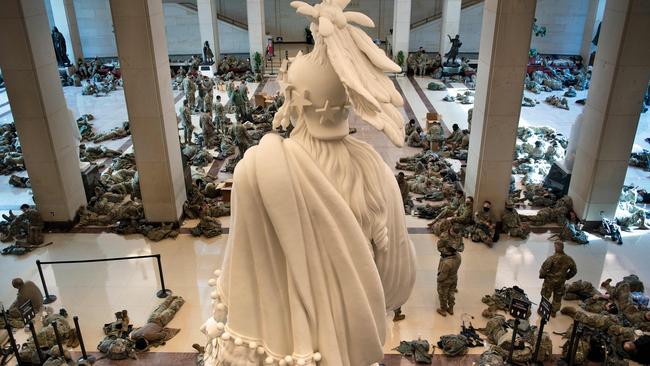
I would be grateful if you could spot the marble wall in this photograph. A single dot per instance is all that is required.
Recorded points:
(428, 35)
(564, 19)
(181, 26)
(95, 28)
(565, 22)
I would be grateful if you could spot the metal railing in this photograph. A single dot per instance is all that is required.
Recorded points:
(50, 298)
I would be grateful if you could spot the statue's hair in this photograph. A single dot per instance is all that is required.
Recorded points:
(350, 167)
(359, 63)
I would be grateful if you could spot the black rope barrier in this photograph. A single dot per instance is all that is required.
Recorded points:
(50, 298)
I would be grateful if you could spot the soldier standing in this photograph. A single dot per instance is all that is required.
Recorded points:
(450, 246)
(219, 114)
(555, 271)
(186, 121)
(189, 87)
(205, 122)
(435, 136)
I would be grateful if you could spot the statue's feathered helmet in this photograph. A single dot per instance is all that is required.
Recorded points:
(359, 64)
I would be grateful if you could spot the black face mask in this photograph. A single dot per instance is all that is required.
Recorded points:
(486, 209)
(509, 208)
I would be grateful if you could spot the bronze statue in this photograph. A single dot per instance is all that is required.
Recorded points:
(208, 56)
(60, 49)
(453, 51)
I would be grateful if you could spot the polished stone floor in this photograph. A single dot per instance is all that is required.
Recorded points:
(95, 291)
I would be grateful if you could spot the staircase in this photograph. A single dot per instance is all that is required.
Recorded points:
(192, 7)
(437, 15)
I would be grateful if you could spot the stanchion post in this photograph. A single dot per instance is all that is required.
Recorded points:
(535, 358)
(10, 333)
(514, 338)
(164, 292)
(544, 310)
(36, 344)
(84, 355)
(48, 299)
(573, 343)
(58, 339)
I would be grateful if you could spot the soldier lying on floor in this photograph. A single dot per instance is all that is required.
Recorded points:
(155, 333)
(19, 182)
(114, 134)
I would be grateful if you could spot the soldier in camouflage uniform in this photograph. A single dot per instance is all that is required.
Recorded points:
(555, 271)
(186, 122)
(512, 223)
(435, 136)
(404, 191)
(450, 248)
(450, 209)
(219, 112)
(28, 225)
(189, 88)
(484, 227)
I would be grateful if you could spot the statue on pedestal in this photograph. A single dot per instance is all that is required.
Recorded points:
(318, 251)
(453, 51)
(60, 49)
(208, 56)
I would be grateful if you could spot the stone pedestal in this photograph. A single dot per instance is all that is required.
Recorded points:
(620, 78)
(503, 56)
(142, 49)
(46, 128)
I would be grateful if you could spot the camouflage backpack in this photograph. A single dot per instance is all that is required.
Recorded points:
(117, 348)
(491, 358)
(453, 345)
(495, 328)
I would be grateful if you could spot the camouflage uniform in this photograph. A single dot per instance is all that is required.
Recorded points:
(208, 227)
(579, 290)
(205, 122)
(448, 280)
(435, 136)
(483, 230)
(413, 139)
(555, 271)
(186, 122)
(453, 345)
(512, 224)
(449, 210)
(189, 87)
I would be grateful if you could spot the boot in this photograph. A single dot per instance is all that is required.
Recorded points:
(450, 311)
(606, 283)
(398, 315)
(442, 312)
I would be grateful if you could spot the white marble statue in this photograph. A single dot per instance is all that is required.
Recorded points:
(318, 251)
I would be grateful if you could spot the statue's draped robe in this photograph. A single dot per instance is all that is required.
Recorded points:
(299, 275)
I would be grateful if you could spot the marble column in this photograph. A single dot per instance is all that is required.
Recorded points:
(620, 78)
(503, 56)
(144, 61)
(209, 25)
(450, 23)
(65, 20)
(593, 18)
(46, 128)
(401, 28)
(256, 27)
